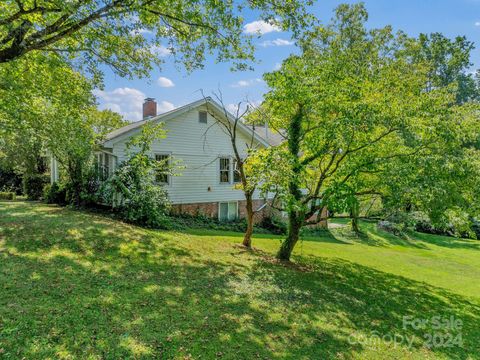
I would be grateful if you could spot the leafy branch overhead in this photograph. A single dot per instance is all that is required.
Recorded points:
(128, 35)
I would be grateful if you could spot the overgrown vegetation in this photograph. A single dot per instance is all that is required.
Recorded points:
(132, 191)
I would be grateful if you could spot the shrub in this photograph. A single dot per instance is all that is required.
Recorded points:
(274, 225)
(10, 181)
(136, 197)
(7, 195)
(33, 186)
(391, 227)
(55, 194)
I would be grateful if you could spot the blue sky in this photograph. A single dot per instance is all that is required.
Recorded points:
(173, 87)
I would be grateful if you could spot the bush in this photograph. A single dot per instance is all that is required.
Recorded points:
(55, 194)
(476, 227)
(397, 229)
(10, 181)
(135, 198)
(147, 207)
(199, 221)
(33, 186)
(7, 195)
(274, 225)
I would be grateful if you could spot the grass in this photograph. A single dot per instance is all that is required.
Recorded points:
(77, 285)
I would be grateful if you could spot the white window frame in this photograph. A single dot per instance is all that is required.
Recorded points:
(231, 171)
(206, 116)
(169, 178)
(219, 170)
(237, 215)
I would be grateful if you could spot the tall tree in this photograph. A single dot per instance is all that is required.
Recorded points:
(353, 100)
(450, 63)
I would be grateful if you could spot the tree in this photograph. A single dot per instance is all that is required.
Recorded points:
(46, 106)
(127, 35)
(449, 64)
(442, 183)
(230, 126)
(351, 102)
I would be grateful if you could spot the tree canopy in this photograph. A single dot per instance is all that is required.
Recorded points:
(130, 35)
(354, 101)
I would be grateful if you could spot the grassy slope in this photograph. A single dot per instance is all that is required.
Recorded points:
(75, 285)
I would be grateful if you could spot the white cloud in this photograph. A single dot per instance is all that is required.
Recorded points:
(276, 42)
(246, 83)
(260, 27)
(165, 82)
(477, 23)
(164, 106)
(277, 66)
(161, 50)
(128, 102)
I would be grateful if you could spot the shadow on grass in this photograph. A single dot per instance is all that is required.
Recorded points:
(81, 286)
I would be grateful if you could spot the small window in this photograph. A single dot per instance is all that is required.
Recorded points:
(228, 211)
(162, 175)
(202, 117)
(225, 170)
(236, 172)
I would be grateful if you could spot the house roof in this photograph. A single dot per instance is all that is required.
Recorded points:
(273, 138)
(120, 133)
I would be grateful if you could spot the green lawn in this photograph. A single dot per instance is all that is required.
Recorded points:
(76, 285)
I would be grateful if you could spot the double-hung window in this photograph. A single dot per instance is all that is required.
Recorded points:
(103, 165)
(225, 170)
(162, 176)
(229, 172)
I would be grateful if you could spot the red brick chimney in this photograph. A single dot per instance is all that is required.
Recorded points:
(149, 108)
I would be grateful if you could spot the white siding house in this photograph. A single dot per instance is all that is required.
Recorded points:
(194, 139)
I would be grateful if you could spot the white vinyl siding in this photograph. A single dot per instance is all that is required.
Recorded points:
(228, 211)
(197, 152)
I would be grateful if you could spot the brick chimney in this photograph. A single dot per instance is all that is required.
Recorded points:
(149, 108)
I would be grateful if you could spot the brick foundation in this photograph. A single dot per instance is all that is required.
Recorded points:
(210, 209)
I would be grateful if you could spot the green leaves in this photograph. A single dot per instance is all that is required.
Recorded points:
(372, 121)
(127, 35)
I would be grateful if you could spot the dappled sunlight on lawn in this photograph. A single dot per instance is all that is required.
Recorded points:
(82, 285)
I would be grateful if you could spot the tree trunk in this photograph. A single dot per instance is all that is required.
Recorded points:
(354, 212)
(295, 217)
(247, 239)
(323, 223)
(354, 223)
(294, 225)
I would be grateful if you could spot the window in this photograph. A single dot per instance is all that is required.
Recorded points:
(236, 172)
(202, 117)
(225, 170)
(228, 211)
(162, 176)
(103, 166)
